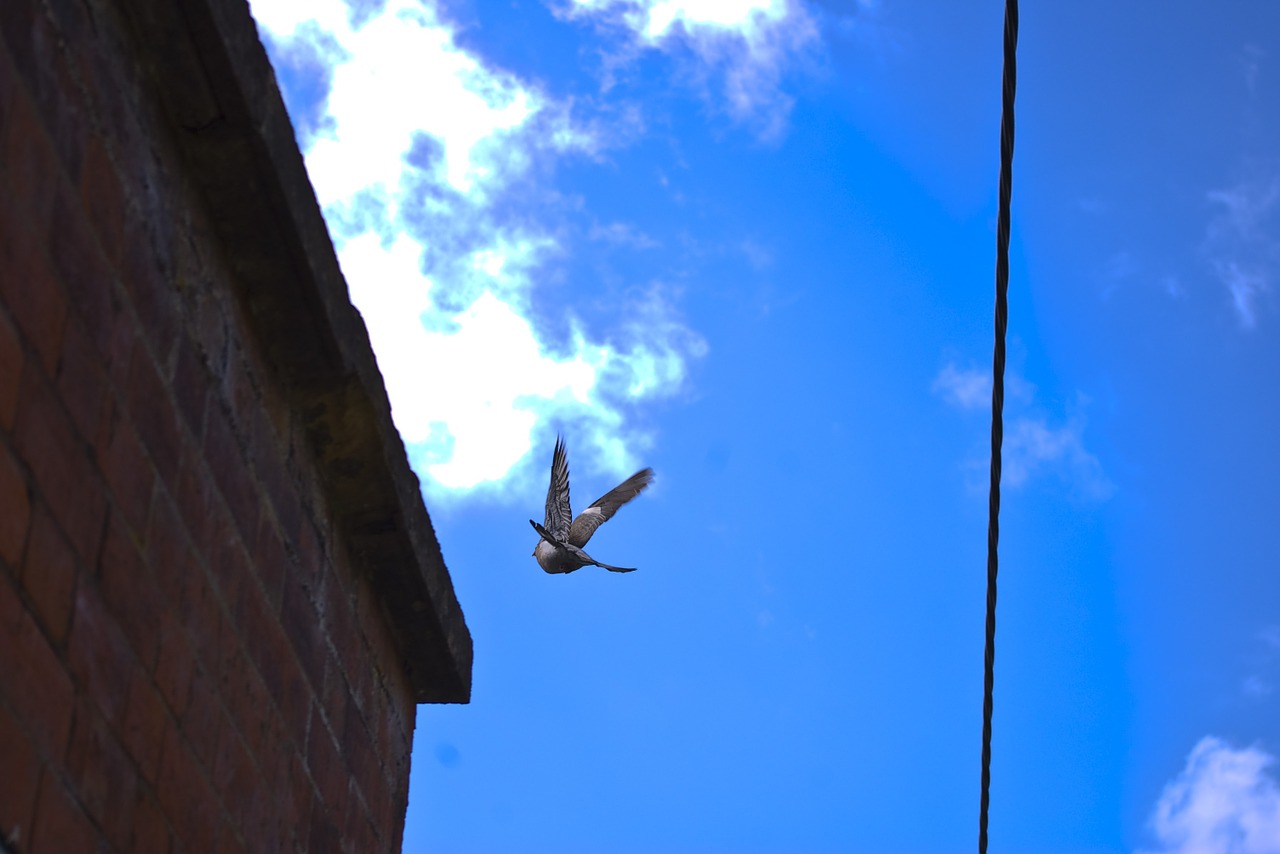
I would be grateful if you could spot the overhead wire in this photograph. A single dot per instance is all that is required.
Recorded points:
(1008, 88)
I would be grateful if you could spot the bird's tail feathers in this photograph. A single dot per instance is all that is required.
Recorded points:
(583, 556)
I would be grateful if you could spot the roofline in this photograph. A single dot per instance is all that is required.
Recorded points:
(219, 92)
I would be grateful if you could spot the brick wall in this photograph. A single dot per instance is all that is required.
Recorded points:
(190, 656)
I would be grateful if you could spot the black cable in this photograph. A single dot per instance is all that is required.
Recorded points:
(997, 397)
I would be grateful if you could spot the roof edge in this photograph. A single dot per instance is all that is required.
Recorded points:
(228, 118)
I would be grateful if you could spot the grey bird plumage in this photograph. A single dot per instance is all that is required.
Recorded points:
(561, 537)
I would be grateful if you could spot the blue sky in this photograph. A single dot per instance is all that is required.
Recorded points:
(751, 244)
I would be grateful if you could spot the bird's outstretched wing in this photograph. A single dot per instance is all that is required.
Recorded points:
(602, 509)
(559, 515)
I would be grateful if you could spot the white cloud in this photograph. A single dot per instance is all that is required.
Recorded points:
(1225, 801)
(1241, 244)
(426, 162)
(1032, 445)
(748, 44)
(1032, 442)
(963, 388)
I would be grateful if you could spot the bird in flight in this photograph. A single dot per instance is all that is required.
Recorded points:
(559, 548)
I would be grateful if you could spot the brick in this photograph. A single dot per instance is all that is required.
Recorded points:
(85, 273)
(197, 503)
(104, 778)
(93, 295)
(148, 276)
(364, 760)
(389, 814)
(335, 698)
(268, 647)
(40, 61)
(175, 664)
(81, 381)
(142, 733)
(151, 410)
(298, 801)
(362, 689)
(98, 655)
(229, 565)
(8, 90)
(279, 762)
(237, 779)
(127, 471)
(11, 359)
(282, 495)
(355, 832)
(63, 109)
(115, 334)
(103, 199)
(203, 717)
(264, 817)
(47, 442)
(324, 762)
(247, 700)
(207, 623)
(241, 391)
(212, 330)
(264, 446)
(323, 836)
(302, 625)
(150, 829)
(131, 596)
(229, 839)
(32, 679)
(15, 498)
(271, 560)
(184, 794)
(49, 576)
(16, 23)
(168, 555)
(231, 473)
(191, 386)
(21, 777)
(311, 553)
(113, 99)
(60, 824)
(255, 715)
(341, 628)
(30, 166)
(37, 301)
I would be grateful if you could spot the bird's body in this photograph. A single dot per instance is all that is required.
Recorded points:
(559, 549)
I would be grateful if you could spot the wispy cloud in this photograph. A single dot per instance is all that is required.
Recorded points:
(433, 170)
(1241, 243)
(1251, 59)
(963, 388)
(747, 45)
(1033, 443)
(1255, 686)
(622, 234)
(1261, 682)
(1225, 801)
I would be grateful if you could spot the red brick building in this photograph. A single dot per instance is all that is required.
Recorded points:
(221, 597)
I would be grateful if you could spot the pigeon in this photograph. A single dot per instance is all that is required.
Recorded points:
(559, 549)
